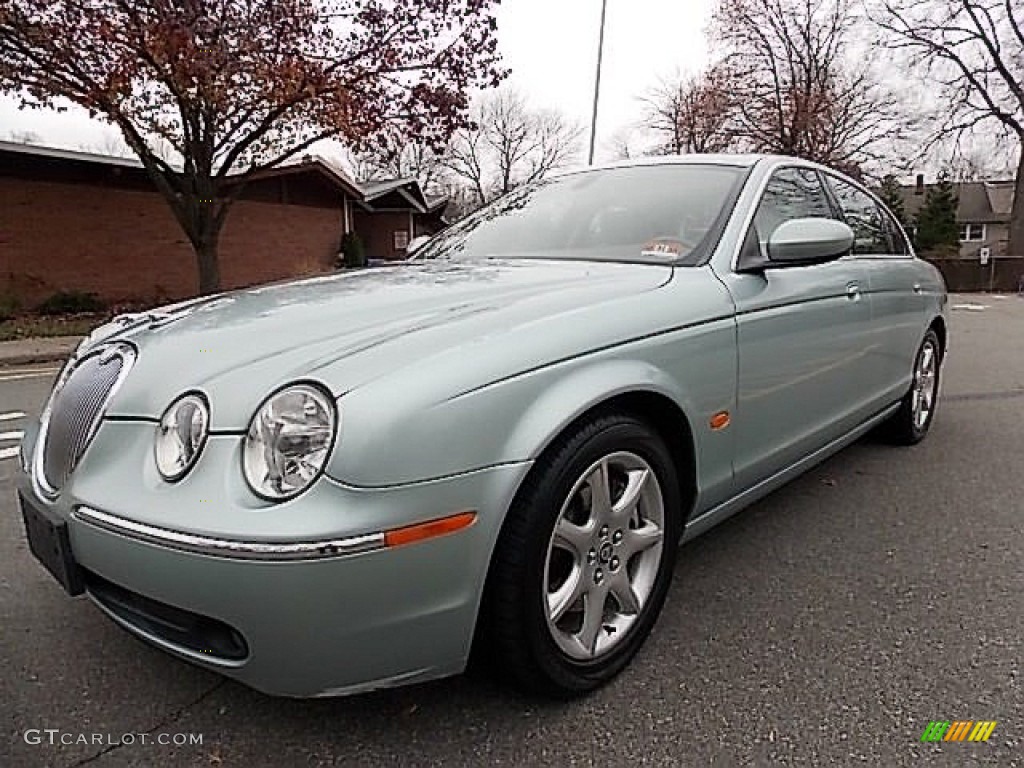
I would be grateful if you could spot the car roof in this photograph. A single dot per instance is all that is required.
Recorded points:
(738, 160)
(734, 160)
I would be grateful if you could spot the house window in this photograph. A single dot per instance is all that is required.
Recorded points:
(972, 232)
(401, 239)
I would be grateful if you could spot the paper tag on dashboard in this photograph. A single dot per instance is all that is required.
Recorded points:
(662, 248)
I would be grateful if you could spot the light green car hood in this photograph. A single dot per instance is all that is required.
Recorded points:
(347, 329)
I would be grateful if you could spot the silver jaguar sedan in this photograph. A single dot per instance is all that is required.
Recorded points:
(353, 481)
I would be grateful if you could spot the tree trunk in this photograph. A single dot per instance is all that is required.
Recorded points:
(209, 266)
(1016, 245)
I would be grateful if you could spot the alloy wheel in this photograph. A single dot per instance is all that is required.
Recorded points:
(925, 384)
(604, 555)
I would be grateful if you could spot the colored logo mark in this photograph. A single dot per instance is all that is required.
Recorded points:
(958, 730)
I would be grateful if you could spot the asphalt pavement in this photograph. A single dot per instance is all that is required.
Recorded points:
(826, 625)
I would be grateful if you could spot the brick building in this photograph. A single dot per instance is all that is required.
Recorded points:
(91, 223)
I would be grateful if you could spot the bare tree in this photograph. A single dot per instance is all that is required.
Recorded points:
(461, 199)
(622, 144)
(23, 137)
(974, 51)
(466, 159)
(694, 114)
(392, 155)
(789, 67)
(509, 144)
(987, 157)
(111, 145)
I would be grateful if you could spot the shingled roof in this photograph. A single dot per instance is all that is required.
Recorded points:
(979, 202)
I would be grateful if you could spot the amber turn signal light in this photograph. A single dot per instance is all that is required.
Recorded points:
(720, 420)
(429, 530)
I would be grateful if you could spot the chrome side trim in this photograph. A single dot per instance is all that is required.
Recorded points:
(781, 163)
(240, 550)
(748, 215)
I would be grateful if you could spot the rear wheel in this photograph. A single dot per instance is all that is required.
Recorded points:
(911, 422)
(585, 558)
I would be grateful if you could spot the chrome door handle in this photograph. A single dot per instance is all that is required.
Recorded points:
(853, 290)
(917, 287)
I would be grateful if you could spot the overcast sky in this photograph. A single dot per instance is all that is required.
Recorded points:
(551, 47)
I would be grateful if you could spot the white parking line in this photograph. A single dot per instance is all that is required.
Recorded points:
(36, 375)
(9, 453)
(11, 435)
(29, 369)
(11, 416)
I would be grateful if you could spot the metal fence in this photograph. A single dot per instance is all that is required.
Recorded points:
(1003, 274)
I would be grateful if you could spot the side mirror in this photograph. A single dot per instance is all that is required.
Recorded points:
(415, 244)
(800, 242)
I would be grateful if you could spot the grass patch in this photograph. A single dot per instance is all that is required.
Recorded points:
(34, 326)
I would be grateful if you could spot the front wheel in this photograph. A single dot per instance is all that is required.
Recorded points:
(584, 559)
(911, 422)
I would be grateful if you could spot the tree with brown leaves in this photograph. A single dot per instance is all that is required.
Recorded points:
(974, 51)
(240, 86)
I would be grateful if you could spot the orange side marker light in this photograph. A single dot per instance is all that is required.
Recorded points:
(720, 420)
(429, 530)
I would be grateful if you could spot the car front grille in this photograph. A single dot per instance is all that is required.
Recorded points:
(76, 408)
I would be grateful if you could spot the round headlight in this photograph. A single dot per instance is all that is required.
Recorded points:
(181, 435)
(288, 441)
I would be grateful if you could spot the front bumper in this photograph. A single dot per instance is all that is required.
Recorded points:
(326, 625)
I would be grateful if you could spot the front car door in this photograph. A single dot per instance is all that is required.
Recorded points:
(893, 285)
(802, 337)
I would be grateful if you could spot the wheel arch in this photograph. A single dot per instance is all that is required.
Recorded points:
(939, 326)
(639, 389)
(659, 410)
(664, 415)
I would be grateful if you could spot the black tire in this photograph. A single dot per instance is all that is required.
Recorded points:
(515, 635)
(903, 427)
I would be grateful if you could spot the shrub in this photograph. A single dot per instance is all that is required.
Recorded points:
(9, 306)
(71, 303)
(352, 251)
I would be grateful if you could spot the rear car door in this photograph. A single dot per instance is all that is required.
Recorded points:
(802, 335)
(893, 288)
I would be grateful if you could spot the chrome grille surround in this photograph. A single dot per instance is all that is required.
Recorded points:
(74, 410)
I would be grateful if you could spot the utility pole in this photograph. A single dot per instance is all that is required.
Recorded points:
(597, 83)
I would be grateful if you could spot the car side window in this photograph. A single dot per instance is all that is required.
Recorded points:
(871, 232)
(791, 193)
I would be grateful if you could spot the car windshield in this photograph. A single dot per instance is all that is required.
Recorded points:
(659, 213)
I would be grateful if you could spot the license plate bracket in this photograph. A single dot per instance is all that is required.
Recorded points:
(50, 542)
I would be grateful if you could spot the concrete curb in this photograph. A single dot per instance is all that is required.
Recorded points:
(34, 351)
